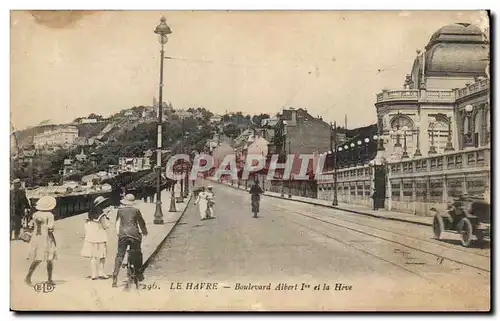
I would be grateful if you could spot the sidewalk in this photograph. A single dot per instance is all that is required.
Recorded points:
(382, 213)
(70, 269)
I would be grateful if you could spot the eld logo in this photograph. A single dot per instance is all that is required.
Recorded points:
(44, 287)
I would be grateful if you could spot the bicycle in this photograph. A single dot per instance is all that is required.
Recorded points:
(132, 270)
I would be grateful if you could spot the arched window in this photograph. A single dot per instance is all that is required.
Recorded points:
(440, 132)
(399, 122)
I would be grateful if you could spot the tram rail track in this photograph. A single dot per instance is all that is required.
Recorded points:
(386, 239)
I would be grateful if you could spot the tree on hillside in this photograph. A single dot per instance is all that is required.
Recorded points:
(257, 119)
(94, 116)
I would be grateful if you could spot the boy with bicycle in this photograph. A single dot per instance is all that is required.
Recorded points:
(129, 225)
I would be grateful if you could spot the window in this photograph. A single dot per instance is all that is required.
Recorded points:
(407, 190)
(439, 133)
(360, 190)
(475, 186)
(454, 187)
(367, 190)
(436, 190)
(395, 191)
(421, 191)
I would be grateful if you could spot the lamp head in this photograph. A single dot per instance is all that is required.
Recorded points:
(359, 142)
(163, 30)
(367, 140)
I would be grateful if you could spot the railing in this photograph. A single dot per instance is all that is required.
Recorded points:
(441, 95)
(412, 94)
(469, 160)
(398, 95)
(416, 185)
(473, 88)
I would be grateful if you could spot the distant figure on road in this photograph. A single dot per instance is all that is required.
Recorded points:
(255, 191)
(202, 202)
(375, 200)
(96, 238)
(128, 222)
(210, 202)
(43, 242)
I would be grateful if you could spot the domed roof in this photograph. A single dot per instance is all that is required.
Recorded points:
(456, 49)
(457, 32)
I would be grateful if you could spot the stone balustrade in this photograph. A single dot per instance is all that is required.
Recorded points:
(416, 185)
(473, 88)
(441, 95)
(398, 95)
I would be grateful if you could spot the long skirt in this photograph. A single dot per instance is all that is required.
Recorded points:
(94, 250)
(202, 208)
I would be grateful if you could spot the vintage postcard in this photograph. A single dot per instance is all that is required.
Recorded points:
(250, 161)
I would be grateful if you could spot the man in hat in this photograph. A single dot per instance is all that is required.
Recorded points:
(255, 191)
(129, 225)
(18, 205)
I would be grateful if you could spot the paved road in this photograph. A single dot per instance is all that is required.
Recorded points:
(390, 265)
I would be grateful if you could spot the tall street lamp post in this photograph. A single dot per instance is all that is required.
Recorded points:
(162, 30)
(469, 141)
(289, 177)
(334, 137)
(418, 153)
(188, 172)
(283, 147)
(358, 153)
(405, 150)
(432, 149)
(181, 195)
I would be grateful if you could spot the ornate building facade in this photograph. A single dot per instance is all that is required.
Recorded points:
(444, 103)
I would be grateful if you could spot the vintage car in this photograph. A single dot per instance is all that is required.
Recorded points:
(467, 215)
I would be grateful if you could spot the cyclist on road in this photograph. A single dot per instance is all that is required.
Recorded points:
(128, 222)
(255, 191)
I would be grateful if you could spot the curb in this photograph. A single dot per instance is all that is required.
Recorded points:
(146, 262)
(338, 208)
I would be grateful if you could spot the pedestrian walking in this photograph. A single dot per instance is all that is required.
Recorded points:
(201, 200)
(256, 191)
(375, 199)
(210, 202)
(129, 225)
(19, 205)
(43, 242)
(96, 238)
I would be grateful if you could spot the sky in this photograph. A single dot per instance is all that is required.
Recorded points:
(67, 64)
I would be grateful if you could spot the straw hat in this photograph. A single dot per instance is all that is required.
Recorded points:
(210, 187)
(129, 199)
(99, 200)
(46, 203)
(16, 181)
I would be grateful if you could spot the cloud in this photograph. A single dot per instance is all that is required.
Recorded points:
(59, 18)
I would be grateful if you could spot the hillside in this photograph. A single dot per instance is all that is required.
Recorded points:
(25, 137)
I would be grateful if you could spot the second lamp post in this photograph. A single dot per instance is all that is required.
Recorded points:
(162, 30)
